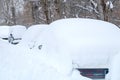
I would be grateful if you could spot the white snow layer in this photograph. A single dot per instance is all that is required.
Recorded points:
(114, 68)
(17, 31)
(31, 34)
(87, 41)
(4, 31)
(49, 52)
(20, 63)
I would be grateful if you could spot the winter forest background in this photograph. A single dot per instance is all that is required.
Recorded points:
(29, 12)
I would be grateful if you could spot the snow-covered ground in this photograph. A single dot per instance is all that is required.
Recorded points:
(53, 52)
(21, 63)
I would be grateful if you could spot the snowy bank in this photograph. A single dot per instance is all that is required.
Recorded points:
(54, 51)
(17, 63)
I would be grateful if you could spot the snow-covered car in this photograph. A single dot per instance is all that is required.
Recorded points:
(68, 45)
(89, 43)
(19, 62)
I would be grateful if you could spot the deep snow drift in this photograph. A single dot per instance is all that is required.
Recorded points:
(52, 52)
(115, 68)
(21, 63)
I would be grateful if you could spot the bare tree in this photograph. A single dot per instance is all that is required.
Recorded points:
(28, 12)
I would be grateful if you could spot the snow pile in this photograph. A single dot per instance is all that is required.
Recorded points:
(12, 33)
(17, 31)
(51, 51)
(62, 62)
(42, 37)
(114, 68)
(32, 33)
(17, 63)
(87, 41)
(4, 31)
(84, 45)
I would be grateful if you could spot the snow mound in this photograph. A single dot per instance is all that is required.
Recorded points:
(91, 43)
(4, 31)
(17, 63)
(62, 62)
(114, 68)
(50, 51)
(17, 31)
(32, 33)
(86, 43)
